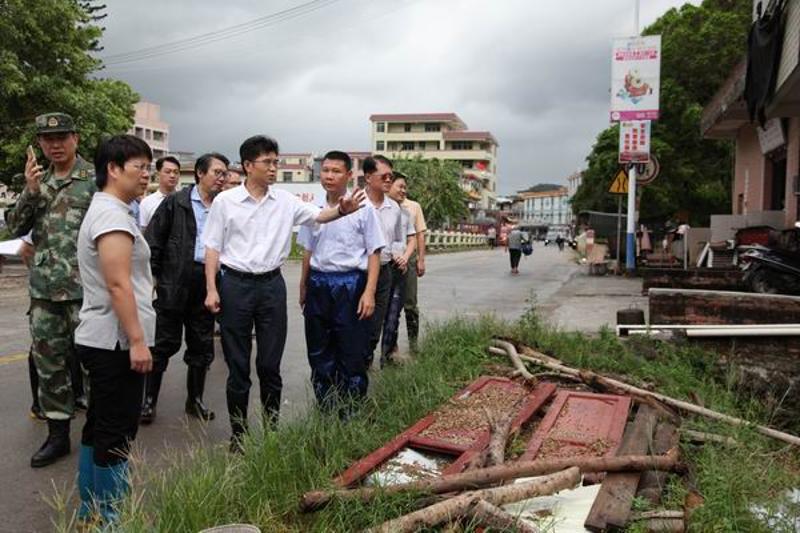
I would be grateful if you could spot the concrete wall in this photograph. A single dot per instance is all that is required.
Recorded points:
(668, 306)
(792, 169)
(748, 187)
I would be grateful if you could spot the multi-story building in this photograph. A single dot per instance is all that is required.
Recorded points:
(295, 167)
(442, 136)
(766, 170)
(148, 126)
(544, 205)
(574, 181)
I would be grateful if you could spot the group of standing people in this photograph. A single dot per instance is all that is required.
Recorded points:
(116, 283)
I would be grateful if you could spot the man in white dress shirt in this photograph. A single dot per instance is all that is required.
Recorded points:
(169, 170)
(248, 238)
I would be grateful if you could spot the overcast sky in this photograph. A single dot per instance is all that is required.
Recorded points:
(534, 73)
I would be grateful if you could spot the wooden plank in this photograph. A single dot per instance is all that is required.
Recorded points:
(612, 506)
(651, 485)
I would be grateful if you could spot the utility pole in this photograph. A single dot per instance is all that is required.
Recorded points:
(630, 249)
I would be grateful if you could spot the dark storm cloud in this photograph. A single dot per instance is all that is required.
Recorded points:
(534, 73)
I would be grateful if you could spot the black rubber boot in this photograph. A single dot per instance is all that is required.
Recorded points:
(56, 445)
(195, 385)
(271, 408)
(152, 387)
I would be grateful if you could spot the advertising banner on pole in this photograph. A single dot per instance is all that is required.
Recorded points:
(635, 78)
(634, 141)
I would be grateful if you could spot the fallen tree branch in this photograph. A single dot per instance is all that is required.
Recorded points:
(462, 505)
(624, 388)
(650, 515)
(486, 514)
(511, 353)
(475, 479)
(702, 437)
(500, 431)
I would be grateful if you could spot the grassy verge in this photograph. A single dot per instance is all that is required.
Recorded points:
(209, 487)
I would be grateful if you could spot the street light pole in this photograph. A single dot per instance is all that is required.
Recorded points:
(630, 248)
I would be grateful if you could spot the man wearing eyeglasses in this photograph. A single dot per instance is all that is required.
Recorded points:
(169, 170)
(379, 175)
(52, 206)
(177, 254)
(248, 238)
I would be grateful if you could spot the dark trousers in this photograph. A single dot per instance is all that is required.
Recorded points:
(194, 320)
(248, 301)
(382, 295)
(114, 403)
(391, 322)
(515, 256)
(410, 306)
(336, 339)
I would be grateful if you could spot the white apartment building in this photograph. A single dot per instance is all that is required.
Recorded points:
(441, 136)
(544, 207)
(148, 126)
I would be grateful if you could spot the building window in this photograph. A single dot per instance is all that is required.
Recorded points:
(139, 132)
(407, 146)
(432, 127)
(158, 136)
(380, 127)
(287, 176)
(148, 134)
(462, 145)
(379, 146)
(407, 127)
(422, 146)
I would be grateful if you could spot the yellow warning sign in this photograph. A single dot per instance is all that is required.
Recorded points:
(620, 183)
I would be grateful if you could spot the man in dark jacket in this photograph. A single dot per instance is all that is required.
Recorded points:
(175, 236)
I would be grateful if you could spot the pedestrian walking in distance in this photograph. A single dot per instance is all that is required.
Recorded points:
(117, 325)
(491, 234)
(337, 293)
(247, 238)
(52, 206)
(514, 243)
(175, 236)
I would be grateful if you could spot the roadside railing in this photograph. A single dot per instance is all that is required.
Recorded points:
(452, 240)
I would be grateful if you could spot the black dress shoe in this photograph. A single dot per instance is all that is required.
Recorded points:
(197, 409)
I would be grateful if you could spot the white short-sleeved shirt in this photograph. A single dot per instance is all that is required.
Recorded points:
(148, 206)
(396, 226)
(99, 326)
(344, 244)
(255, 236)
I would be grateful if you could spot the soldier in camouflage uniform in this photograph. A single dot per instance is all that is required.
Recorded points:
(53, 205)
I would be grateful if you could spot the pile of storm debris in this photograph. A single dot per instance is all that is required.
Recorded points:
(563, 449)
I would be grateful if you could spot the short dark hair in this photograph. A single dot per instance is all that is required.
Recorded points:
(118, 150)
(396, 175)
(255, 146)
(167, 159)
(204, 161)
(336, 155)
(370, 163)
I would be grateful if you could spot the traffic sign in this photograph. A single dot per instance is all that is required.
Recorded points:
(646, 173)
(620, 183)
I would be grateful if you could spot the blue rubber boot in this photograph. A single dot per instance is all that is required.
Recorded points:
(111, 486)
(86, 482)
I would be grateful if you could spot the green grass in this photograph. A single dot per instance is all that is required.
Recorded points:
(208, 487)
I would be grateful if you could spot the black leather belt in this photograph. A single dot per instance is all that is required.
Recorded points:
(228, 271)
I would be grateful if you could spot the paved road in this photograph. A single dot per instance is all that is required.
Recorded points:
(466, 283)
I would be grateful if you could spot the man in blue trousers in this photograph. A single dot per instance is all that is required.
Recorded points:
(337, 292)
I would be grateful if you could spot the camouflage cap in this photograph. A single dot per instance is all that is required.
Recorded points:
(54, 123)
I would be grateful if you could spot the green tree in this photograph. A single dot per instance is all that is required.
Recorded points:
(700, 47)
(435, 184)
(46, 64)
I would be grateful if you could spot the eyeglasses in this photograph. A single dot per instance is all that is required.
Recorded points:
(219, 173)
(386, 177)
(267, 162)
(144, 167)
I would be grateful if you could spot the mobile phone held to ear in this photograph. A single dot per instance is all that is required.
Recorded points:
(32, 154)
